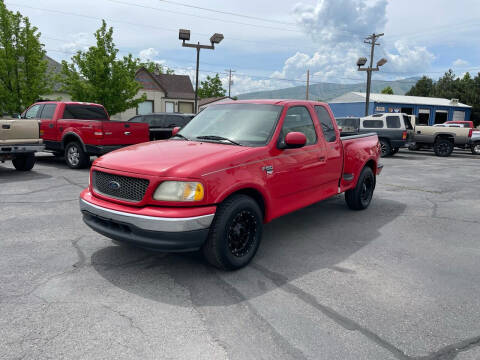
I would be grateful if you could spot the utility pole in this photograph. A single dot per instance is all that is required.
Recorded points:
(371, 40)
(308, 84)
(230, 82)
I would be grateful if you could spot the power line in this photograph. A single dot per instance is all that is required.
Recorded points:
(227, 12)
(135, 24)
(204, 17)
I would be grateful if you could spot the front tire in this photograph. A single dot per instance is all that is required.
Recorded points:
(235, 233)
(443, 147)
(24, 162)
(75, 157)
(359, 198)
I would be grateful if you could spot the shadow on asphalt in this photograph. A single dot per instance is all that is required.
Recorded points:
(57, 162)
(317, 237)
(8, 174)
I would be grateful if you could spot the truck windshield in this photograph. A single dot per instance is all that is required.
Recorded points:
(84, 112)
(244, 124)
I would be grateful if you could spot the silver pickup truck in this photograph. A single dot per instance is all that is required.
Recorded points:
(19, 140)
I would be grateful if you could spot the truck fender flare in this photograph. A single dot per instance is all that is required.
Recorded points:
(76, 136)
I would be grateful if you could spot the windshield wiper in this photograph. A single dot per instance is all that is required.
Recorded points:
(181, 137)
(218, 138)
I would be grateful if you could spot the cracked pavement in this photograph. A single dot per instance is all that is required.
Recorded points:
(397, 281)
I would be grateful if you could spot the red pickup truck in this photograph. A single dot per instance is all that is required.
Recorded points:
(232, 168)
(79, 130)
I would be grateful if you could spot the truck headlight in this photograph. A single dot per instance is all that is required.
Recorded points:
(179, 191)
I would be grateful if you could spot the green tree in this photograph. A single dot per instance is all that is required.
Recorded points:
(448, 86)
(97, 75)
(388, 90)
(211, 87)
(154, 67)
(23, 68)
(423, 87)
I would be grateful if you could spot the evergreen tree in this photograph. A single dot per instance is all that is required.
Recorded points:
(388, 90)
(423, 87)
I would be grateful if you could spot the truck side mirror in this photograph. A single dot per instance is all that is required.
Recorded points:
(175, 130)
(294, 140)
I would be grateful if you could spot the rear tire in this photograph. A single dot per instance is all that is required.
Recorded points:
(24, 162)
(443, 147)
(475, 148)
(75, 157)
(235, 233)
(359, 198)
(386, 149)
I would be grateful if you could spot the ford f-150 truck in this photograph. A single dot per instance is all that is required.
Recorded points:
(79, 130)
(232, 168)
(19, 140)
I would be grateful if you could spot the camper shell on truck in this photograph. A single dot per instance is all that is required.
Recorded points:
(232, 168)
(79, 130)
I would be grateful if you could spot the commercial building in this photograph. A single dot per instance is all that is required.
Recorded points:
(428, 110)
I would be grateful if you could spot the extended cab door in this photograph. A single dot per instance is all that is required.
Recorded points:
(124, 132)
(49, 123)
(333, 147)
(297, 172)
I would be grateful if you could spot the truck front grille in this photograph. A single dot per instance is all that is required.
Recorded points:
(119, 187)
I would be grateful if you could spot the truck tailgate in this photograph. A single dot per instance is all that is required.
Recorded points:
(19, 131)
(124, 133)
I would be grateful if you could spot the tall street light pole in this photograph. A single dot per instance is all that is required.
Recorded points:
(362, 61)
(184, 35)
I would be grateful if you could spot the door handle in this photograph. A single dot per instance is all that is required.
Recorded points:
(419, 132)
(127, 132)
(6, 126)
(321, 158)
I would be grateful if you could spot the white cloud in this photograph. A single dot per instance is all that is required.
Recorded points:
(148, 54)
(81, 41)
(460, 63)
(338, 27)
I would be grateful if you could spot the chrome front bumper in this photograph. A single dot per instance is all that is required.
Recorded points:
(149, 223)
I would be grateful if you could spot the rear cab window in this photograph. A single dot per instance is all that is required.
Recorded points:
(48, 111)
(84, 112)
(408, 124)
(393, 122)
(372, 124)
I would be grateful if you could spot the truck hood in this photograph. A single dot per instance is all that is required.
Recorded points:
(171, 158)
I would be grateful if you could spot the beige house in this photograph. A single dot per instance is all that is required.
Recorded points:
(165, 93)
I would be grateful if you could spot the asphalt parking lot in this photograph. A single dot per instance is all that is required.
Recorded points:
(397, 281)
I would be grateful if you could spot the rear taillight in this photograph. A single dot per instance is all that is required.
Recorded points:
(404, 135)
(470, 133)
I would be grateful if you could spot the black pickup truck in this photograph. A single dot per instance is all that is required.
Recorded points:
(394, 130)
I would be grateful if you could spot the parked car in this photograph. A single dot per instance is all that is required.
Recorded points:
(394, 130)
(475, 142)
(442, 138)
(80, 130)
(19, 140)
(234, 167)
(467, 124)
(162, 124)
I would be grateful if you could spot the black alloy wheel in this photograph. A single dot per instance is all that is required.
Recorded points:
(241, 233)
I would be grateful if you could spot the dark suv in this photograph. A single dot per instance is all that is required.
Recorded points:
(162, 124)
(394, 130)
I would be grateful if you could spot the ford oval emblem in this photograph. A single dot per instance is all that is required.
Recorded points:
(114, 185)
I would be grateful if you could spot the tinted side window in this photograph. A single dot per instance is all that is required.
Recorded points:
(298, 119)
(33, 112)
(408, 124)
(373, 124)
(156, 120)
(393, 122)
(48, 111)
(136, 119)
(326, 123)
(173, 120)
(84, 112)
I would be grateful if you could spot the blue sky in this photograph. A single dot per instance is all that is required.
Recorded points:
(273, 43)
